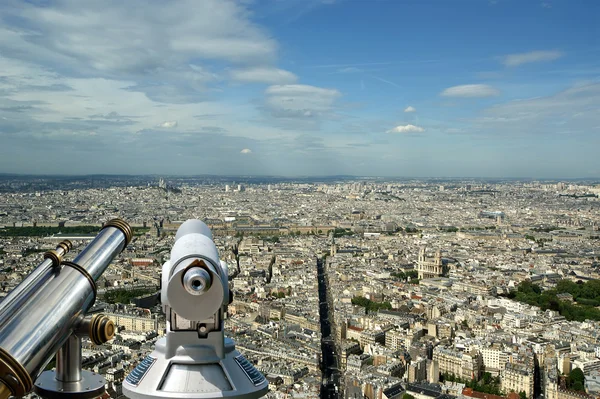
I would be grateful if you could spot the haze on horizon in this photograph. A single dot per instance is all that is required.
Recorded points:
(499, 88)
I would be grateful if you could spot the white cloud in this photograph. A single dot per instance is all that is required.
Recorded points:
(115, 37)
(406, 129)
(470, 91)
(512, 60)
(300, 100)
(263, 75)
(574, 111)
(246, 151)
(167, 51)
(410, 108)
(167, 124)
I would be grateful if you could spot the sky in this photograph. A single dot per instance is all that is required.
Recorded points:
(423, 88)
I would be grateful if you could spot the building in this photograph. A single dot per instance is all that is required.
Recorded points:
(518, 378)
(429, 268)
(465, 365)
(494, 359)
(141, 262)
(395, 339)
(417, 371)
(133, 322)
(368, 337)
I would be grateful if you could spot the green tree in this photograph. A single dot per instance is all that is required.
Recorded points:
(578, 386)
(399, 275)
(412, 274)
(487, 378)
(576, 379)
(522, 395)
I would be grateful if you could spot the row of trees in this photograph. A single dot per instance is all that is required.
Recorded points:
(487, 383)
(547, 229)
(586, 294)
(43, 231)
(338, 232)
(126, 295)
(471, 228)
(369, 305)
(400, 275)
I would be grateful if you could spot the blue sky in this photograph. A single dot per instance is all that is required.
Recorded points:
(301, 87)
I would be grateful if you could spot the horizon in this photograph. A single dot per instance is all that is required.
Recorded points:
(301, 88)
(305, 177)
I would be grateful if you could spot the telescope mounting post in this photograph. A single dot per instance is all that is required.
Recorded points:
(69, 380)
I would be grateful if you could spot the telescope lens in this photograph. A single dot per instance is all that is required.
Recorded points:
(196, 281)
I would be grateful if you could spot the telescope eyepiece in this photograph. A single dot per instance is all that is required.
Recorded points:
(197, 281)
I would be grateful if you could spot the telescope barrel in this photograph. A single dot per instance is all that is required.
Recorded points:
(14, 299)
(53, 307)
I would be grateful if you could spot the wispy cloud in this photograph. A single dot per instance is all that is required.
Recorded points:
(410, 108)
(246, 151)
(263, 75)
(351, 65)
(389, 82)
(512, 60)
(300, 101)
(575, 110)
(470, 91)
(167, 124)
(406, 129)
(349, 70)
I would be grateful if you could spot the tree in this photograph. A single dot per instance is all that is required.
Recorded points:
(576, 379)
(522, 395)
(487, 378)
(578, 386)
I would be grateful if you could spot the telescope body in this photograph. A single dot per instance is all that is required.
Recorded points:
(39, 319)
(195, 360)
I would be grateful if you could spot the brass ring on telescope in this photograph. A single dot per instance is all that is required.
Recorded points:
(123, 226)
(66, 245)
(54, 257)
(85, 274)
(14, 375)
(102, 329)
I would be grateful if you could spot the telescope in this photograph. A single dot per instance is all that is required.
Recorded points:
(47, 314)
(195, 360)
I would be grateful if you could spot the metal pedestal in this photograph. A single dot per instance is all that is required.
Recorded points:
(69, 380)
(91, 385)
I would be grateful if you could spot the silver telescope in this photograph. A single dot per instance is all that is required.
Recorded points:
(195, 360)
(46, 315)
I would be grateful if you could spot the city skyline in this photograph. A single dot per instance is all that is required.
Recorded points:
(489, 89)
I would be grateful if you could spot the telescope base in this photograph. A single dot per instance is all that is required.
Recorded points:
(90, 386)
(195, 372)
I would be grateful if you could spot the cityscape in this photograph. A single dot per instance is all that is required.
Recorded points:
(300, 199)
(347, 287)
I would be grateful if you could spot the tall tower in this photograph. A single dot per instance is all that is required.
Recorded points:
(438, 260)
(422, 254)
(333, 249)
